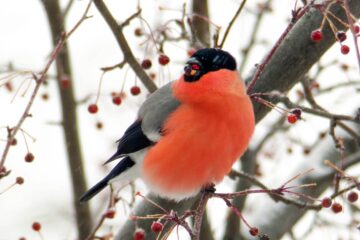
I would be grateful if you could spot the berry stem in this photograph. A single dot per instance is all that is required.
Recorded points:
(121, 39)
(99, 88)
(39, 80)
(261, 67)
(231, 23)
(8, 188)
(352, 28)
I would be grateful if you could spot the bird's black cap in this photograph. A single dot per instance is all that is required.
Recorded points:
(208, 60)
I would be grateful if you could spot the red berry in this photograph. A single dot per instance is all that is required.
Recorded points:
(117, 100)
(146, 64)
(65, 81)
(110, 213)
(254, 231)
(93, 108)
(345, 49)
(341, 36)
(352, 196)
(29, 157)
(292, 118)
(36, 226)
(135, 90)
(336, 207)
(326, 202)
(19, 180)
(139, 234)
(156, 227)
(316, 35)
(163, 59)
(356, 28)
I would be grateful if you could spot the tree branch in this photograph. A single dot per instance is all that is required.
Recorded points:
(70, 125)
(201, 27)
(124, 46)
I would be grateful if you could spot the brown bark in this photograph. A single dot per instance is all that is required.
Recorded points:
(69, 120)
(200, 25)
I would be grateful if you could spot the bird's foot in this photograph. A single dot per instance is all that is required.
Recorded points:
(210, 188)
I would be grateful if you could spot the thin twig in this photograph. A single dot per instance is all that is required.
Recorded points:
(253, 35)
(352, 28)
(64, 37)
(123, 44)
(231, 23)
(261, 67)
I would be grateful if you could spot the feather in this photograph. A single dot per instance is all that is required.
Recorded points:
(121, 167)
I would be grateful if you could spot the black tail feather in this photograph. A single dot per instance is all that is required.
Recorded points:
(122, 166)
(94, 190)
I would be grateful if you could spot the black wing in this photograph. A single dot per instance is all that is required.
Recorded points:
(122, 166)
(133, 140)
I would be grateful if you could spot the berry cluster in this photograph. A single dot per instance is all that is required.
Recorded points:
(163, 60)
(337, 207)
(340, 36)
(294, 115)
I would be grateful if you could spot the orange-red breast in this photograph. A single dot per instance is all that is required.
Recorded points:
(188, 133)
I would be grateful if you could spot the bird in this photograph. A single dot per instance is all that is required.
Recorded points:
(188, 133)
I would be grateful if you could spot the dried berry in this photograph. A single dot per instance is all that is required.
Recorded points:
(29, 157)
(336, 207)
(326, 202)
(146, 64)
(352, 196)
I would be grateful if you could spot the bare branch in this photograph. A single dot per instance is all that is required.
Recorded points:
(232, 22)
(124, 46)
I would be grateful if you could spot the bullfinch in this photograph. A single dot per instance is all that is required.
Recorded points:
(188, 133)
